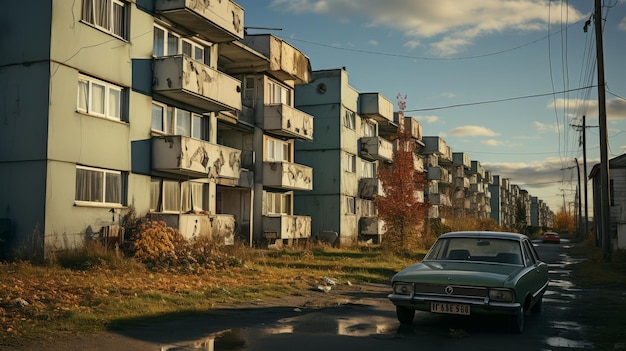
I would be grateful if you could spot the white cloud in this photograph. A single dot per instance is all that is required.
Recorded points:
(547, 128)
(411, 44)
(472, 131)
(373, 42)
(622, 24)
(451, 25)
(615, 108)
(427, 119)
(491, 142)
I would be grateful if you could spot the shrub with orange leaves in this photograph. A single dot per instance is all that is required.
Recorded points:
(156, 243)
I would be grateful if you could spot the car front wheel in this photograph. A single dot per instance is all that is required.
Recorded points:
(517, 321)
(405, 315)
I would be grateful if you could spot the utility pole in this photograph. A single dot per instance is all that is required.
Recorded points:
(583, 129)
(605, 202)
(580, 214)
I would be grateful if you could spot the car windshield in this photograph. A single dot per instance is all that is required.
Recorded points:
(476, 249)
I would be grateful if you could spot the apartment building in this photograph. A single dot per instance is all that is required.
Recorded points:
(149, 105)
(344, 155)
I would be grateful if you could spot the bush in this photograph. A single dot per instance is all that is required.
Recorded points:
(159, 245)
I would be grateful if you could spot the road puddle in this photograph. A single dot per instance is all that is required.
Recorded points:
(568, 343)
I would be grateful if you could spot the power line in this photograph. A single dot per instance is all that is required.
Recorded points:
(499, 100)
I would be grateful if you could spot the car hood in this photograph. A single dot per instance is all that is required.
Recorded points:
(459, 273)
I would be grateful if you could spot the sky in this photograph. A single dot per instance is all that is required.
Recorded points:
(505, 81)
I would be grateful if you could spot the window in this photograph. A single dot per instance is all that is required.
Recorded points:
(350, 205)
(278, 203)
(368, 208)
(278, 150)
(99, 98)
(174, 121)
(368, 169)
(168, 195)
(248, 88)
(96, 185)
(350, 163)
(278, 94)
(349, 120)
(107, 15)
(369, 129)
(168, 43)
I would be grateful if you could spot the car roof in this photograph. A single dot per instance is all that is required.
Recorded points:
(484, 235)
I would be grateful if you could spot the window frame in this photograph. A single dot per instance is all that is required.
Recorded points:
(89, 16)
(184, 198)
(166, 42)
(277, 150)
(372, 169)
(369, 129)
(278, 203)
(350, 162)
(349, 120)
(104, 190)
(278, 94)
(350, 205)
(85, 100)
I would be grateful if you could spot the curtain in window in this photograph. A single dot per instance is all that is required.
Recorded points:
(102, 13)
(117, 26)
(172, 44)
(157, 117)
(115, 103)
(155, 195)
(158, 44)
(183, 122)
(97, 98)
(113, 188)
(197, 196)
(87, 13)
(88, 185)
(186, 197)
(171, 196)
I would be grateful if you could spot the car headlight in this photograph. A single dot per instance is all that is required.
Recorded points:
(501, 295)
(403, 288)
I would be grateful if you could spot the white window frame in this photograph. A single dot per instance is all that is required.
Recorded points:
(278, 203)
(368, 169)
(350, 162)
(369, 129)
(162, 117)
(278, 94)
(350, 205)
(199, 50)
(103, 190)
(87, 102)
(197, 124)
(349, 120)
(173, 196)
(368, 208)
(277, 150)
(107, 21)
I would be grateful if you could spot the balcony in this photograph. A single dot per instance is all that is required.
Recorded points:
(438, 146)
(265, 53)
(413, 127)
(195, 158)
(418, 163)
(183, 79)
(287, 121)
(371, 226)
(477, 188)
(376, 148)
(286, 227)
(376, 107)
(217, 21)
(462, 159)
(220, 227)
(369, 188)
(461, 182)
(478, 169)
(438, 173)
(439, 199)
(287, 175)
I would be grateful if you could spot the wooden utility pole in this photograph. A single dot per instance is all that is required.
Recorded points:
(605, 202)
(579, 208)
(585, 173)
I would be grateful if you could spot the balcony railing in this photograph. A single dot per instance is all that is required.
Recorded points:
(285, 120)
(371, 226)
(287, 175)
(220, 227)
(286, 227)
(439, 199)
(376, 148)
(217, 21)
(438, 173)
(413, 127)
(281, 60)
(369, 188)
(375, 106)
(195, 158)
(183, 79)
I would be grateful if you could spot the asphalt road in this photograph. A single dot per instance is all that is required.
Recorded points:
(367, 322)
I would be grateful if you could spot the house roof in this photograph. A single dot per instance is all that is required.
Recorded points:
(617, 162)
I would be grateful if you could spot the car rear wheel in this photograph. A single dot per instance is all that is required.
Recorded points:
(405, 315)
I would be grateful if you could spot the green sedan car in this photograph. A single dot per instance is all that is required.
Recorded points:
(468, 273)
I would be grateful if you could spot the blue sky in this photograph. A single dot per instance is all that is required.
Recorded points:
(502, 81)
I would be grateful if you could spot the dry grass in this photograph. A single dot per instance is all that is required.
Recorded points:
(94, 290)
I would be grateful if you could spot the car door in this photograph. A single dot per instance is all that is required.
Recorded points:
(536, 276)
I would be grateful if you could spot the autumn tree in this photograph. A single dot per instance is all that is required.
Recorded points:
(401, 207)
(564, 223)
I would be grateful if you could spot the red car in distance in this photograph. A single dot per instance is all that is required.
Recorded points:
(551, 237)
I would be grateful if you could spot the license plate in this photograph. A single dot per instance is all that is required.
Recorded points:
(450, 308)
